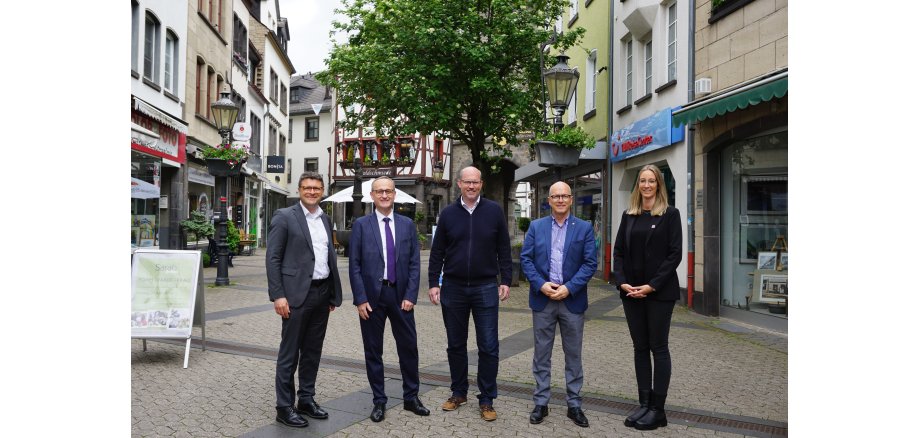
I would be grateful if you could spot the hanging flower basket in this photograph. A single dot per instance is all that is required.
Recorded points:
(225, 159)
(220, 167)
(549, 154)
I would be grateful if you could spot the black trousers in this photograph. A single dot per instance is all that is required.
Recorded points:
(649, 324)
(302, 336)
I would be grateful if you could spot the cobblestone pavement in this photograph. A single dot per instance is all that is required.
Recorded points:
(725, 382)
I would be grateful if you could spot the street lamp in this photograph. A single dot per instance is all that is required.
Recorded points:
(561, 82)
(224, 112)
(357, 209)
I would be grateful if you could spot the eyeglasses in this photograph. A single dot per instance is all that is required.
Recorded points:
(470, 183)
(560, 197)
(382, 192)
(311, 189)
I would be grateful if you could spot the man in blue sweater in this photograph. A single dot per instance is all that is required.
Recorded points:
(473, 248)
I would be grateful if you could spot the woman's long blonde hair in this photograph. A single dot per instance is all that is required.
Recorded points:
(661, 196)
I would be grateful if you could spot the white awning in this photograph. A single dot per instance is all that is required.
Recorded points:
(159, 116)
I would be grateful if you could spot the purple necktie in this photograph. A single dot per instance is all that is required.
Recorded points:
(391, 252)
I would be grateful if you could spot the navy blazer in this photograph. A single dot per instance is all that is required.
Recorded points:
(289, 257)
(578, 264)
(663, 252)
(365, 261)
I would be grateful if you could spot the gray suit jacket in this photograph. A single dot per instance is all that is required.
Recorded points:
(289, 257)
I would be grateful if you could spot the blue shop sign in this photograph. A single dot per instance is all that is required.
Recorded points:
(646, 135)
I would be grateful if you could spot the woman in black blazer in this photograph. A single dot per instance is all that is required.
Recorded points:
(645, 257)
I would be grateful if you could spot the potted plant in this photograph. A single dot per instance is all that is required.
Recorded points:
(198, 226)
(562, 148)
(225, 159)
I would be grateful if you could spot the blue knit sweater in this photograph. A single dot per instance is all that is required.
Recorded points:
(473, 249)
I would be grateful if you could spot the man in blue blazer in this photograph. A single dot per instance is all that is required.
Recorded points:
(384, 268)
(558, 257)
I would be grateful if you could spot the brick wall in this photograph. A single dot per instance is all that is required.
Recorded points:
(743, 45)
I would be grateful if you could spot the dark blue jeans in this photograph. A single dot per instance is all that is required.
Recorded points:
(457, 302)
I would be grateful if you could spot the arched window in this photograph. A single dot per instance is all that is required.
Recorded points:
(152, 48)
(171, 64)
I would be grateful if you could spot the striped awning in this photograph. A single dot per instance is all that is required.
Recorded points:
(743, 96)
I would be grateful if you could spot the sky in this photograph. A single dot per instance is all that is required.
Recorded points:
(310, 22)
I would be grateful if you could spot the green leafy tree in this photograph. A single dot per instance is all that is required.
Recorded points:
(468, 70)
(197, 225)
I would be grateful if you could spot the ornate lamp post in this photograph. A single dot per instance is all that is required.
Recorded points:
(357, 209)
(224, 112)
(561, 81)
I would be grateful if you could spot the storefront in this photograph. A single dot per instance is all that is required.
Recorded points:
(651, 140)
(741, 149)
(200, 191)
(157, 158)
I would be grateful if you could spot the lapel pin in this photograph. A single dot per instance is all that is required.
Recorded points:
(653, 226)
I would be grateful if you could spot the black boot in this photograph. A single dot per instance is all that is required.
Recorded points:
(655, 417)
(639, 412)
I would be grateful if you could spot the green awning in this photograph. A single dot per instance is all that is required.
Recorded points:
(770, 88)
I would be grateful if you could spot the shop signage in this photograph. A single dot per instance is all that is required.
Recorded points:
(646, 135)
(275, 164)
(169, 145)
(242, 131)
(379, 171)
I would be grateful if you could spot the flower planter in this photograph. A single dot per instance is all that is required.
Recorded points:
(219, 167)
(551, 154)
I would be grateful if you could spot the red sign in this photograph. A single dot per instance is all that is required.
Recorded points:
(169, 145)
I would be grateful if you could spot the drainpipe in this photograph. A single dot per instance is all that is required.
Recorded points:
(691, 131)
(608, 166)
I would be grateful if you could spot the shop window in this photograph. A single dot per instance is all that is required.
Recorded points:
(754, 211)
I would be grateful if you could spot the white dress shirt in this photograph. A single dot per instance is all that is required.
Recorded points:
(383, 236)
(320, 241)
(475, 204)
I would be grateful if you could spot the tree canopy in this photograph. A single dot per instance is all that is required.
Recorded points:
(467, 69)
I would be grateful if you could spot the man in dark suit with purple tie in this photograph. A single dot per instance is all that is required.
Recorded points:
(384, 270)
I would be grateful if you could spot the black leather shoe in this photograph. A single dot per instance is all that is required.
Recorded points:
(416, 407)
(538, 414)
(288, 417)
(311, 409)
(578, 417)
(378, 413)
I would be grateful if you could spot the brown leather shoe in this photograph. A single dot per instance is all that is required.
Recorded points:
(487, 412)
(453, 403)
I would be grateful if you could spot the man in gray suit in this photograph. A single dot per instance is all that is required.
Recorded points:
(304, 284)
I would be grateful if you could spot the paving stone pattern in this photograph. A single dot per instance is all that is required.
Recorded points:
(721, 369)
